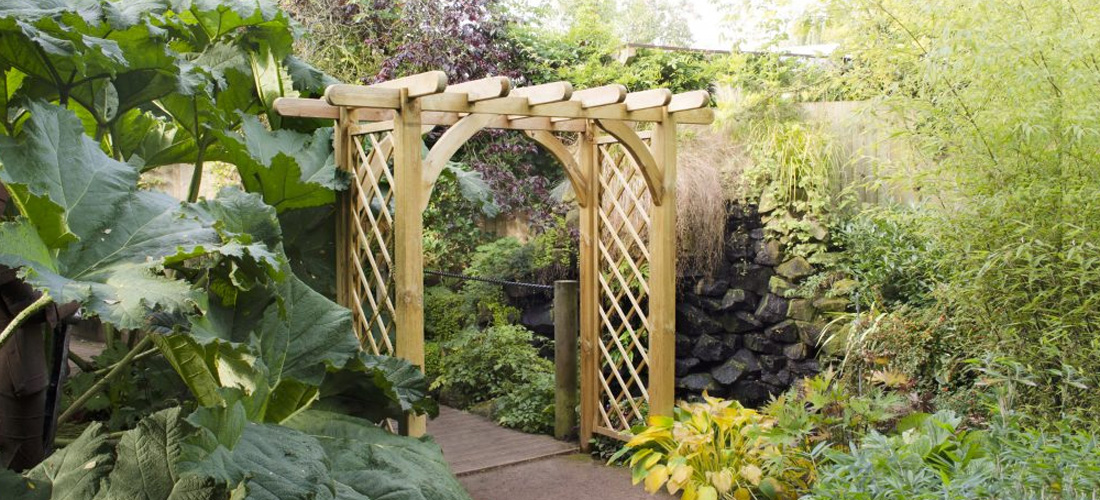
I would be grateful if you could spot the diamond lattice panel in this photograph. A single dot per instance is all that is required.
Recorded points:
(623, 263)
(372, 246)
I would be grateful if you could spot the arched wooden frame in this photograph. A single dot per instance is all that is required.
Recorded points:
(627, 305)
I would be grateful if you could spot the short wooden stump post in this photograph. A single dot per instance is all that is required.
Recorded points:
(566, 332)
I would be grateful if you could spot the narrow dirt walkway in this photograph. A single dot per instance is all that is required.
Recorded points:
(494, 463)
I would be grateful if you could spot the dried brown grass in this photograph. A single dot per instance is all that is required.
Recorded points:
(700, 207)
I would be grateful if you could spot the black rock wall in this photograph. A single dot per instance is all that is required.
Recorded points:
(737, 336)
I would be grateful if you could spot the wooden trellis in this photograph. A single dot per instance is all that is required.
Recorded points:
(625, 185)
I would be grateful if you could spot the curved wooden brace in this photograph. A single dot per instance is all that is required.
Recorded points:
(554, 146)
(447, 146)
(641, 154)
(464, 129)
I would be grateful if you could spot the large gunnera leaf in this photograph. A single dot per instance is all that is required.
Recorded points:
(76, 471)
(59, 178)
(290, 169)
(106, 240)
(147, 463)
(376, 464)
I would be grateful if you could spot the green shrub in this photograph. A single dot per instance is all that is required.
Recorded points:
(824, 409)
(479, 365)
(938, 459)
(999, 99)
(917, 342)
(433, 360)
(890, 255)
(553, 254)
(528, 406)
(506, 258)
(446, 313)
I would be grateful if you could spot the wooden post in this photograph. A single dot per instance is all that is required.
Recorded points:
(590, 367)
(344, 236)
(409, 240)
(662, 274)
(566, 330)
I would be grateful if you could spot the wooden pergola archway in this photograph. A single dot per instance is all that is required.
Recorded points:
(625, 185)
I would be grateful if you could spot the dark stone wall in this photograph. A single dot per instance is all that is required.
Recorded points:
(737, 335)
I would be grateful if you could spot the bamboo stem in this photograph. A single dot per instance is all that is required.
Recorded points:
(23, 316)
(101, 383)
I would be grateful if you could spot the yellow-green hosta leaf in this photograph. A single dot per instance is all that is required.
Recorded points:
(656, 478)
(681, 474)
(707, 493)
(722, 480)
(771, 488)
(752, 474)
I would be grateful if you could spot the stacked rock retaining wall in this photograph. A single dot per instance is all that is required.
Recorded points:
(738, 335)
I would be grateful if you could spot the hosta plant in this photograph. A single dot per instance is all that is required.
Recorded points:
(717, 449)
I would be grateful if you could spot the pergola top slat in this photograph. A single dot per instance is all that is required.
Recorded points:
(600, 96)
(689, 100)
(647, 99)
(318, 108)
(485, 88)
(545, 93)
(422, 84)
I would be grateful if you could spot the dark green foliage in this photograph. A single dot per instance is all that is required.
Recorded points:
(528, 406)
(482, 365)
(319, 455)
(446, 313)
(891, 256)
(825, 409)
(150, 385)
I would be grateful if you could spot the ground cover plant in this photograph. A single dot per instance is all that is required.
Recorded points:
(282, 403)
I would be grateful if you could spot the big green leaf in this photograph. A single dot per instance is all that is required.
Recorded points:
(21, 488)
(296, 335)
(157, 142)
(126, 235)
(376, 464)
(147, 463)
(75, 472)
(274, 462)
(59, 178)
(289, 169)
(309, 240)
(376, 388)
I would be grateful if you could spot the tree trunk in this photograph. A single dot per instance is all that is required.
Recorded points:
(23, 377)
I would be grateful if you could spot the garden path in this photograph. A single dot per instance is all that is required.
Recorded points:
(494, 463)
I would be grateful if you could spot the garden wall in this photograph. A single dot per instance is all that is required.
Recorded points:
(738, 336)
